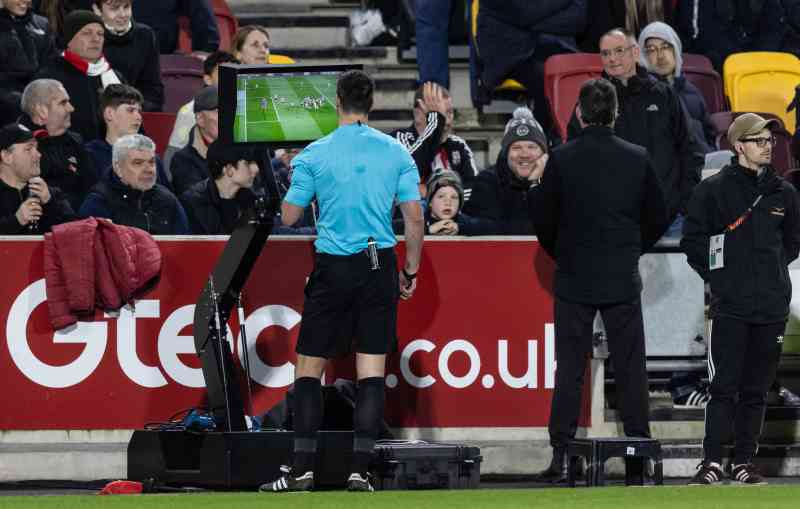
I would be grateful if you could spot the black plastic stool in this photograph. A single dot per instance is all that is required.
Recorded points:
(633, 449)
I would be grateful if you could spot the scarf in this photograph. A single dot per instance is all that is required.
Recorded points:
(100, 68)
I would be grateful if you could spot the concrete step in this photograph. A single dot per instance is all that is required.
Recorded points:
(299, 31)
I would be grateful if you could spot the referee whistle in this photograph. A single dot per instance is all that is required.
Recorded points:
(372, 252)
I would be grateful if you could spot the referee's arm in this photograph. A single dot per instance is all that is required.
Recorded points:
(290, 213)
(414, 232)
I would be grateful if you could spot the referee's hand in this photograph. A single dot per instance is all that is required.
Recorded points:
(406, 287)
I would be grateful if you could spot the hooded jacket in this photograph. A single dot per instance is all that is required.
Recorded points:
(135, 54)
(691, 98)
(754, 284)
(651, 115)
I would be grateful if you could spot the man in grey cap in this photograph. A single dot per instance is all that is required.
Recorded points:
(741, 232)
(189, 165)
(28, 206)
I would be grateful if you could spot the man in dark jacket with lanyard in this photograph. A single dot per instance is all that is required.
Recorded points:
(356, 173)
(742, 231)
(596, 223)
(651, 115)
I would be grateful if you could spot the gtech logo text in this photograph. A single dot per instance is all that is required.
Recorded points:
(170, 344)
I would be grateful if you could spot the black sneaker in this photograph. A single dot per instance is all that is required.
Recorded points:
(357, 482)
(747, 473)
(288, 482)
(707, 473)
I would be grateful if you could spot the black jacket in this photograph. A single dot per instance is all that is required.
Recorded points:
(55, 211)
(135, 54)
(65, 163)
(509, 32)
(156, 211)
(209, 214)
(699, 120)
(162, 16)
(25, 46)
(651, 115)
(754, 283)
(188, 167)
(499, 202)
(425, 147)
(84, 94)
(722, 27)
(599, 207)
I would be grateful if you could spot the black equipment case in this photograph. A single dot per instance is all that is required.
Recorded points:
(245, 460)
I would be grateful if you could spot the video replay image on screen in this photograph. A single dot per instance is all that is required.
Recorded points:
(285, 106)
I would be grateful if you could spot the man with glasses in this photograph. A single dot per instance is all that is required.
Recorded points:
(651, 115)
(663, 57)
(741, 233)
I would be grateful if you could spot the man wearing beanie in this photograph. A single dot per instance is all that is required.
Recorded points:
(741, 233)
(83, 70)
(662, 55)
(499, 202)
(216, 205)
(599, 208)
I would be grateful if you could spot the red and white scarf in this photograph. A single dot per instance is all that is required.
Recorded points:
(100, 68)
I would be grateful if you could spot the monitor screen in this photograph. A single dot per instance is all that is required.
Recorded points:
(280, 105)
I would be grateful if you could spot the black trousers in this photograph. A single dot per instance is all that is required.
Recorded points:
(742, 361)
(625, 333)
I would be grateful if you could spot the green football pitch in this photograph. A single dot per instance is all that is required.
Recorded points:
(285, 109)
(750, 497)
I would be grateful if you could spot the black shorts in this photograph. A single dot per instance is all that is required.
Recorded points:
(348, 304)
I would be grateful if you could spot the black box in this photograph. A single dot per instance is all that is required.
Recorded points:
(404, 465)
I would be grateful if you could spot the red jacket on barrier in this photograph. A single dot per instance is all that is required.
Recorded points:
(96, 263)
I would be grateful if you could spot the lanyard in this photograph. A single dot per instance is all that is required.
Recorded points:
(741, 219)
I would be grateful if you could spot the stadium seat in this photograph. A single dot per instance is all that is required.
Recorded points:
(563, 77)
(158, 126)
(182, 76)
(793, 176)
(275, 59)
(762, 81)
(227, 24)
(699, 71)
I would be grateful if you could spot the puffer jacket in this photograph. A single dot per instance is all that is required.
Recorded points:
(96, 263)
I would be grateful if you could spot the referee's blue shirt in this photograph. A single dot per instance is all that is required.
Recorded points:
(355, 172)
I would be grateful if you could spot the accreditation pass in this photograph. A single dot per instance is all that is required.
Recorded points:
(716, 248)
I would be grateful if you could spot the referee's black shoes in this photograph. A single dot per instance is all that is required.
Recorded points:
(747, 473)
(708, 473)
(288, 482)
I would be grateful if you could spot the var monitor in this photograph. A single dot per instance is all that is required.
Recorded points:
(278, 105)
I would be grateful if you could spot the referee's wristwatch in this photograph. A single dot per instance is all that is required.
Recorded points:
(410, 277)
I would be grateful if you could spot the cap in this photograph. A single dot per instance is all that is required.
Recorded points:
(206, 99)
(12, 134)
(76, 20)
(748, 124)
(523, 126)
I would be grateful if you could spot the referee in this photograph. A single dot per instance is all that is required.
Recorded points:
(357, 174)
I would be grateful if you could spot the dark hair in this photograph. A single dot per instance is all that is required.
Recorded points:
(219, 156)
(99, 3)
(116, 94)
(418, 94)
(354, 89)
(237, 43)
(598, 102)
(213, 60)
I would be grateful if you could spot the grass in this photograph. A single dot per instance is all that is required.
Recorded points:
(750, 497)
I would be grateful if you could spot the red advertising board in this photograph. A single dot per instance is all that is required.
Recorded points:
(476, 343)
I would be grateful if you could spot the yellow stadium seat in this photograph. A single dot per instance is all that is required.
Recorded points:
(762, 81)
(279, 59)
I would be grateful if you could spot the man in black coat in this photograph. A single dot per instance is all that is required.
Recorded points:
(83, 70)
(26, 44)
(596, 223)
(189, 165)
(162, 16)
(216, 205)
(651, 115)
(28, 206)
(65, 162)
(742, 231)
(132, 49)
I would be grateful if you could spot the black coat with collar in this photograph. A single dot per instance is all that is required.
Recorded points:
(651, 115)
(754, 284)
(55, 211)
(135, 54)
(209, 213)
(599, 207)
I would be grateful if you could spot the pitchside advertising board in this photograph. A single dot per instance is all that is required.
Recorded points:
(476, 343)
